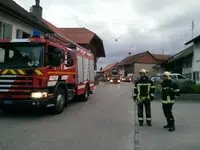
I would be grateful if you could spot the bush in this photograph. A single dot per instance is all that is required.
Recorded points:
(185, 88)
(196, 89)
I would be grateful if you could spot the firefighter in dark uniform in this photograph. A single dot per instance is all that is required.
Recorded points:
(170, 92)
(143, 94)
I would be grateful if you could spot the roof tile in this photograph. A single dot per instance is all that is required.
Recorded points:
(131, 59)
(78, 35)
(161, 56)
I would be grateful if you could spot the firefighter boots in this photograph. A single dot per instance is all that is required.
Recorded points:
(166, 126)
(149, 123)
(171, 129)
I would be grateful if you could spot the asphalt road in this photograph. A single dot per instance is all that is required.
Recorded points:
(186, 136)
(105, 122)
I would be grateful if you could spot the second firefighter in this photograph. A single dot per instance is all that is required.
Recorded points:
(143, 94)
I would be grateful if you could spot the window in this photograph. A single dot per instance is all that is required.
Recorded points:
(186, 75)
(5, 30)
(53, 50)
(21, 55)
(70, 61)
(197, 76)
(2, 55)
(190, 75)
(180, 77)
(22, 34)
(190, 63)
(173, 77)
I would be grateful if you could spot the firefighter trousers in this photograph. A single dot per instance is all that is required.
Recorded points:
(167, 110)
(147, 105)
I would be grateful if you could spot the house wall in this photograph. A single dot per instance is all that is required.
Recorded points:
(196, 63)
(121, 69)
(139, 66)
(146, 61)
(128, 69)
(187, 67)
(158, 70)
(16, 24)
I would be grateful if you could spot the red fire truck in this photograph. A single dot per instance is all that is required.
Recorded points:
(114, 76)
(44, 72)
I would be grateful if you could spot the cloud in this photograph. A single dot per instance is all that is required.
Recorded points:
(139, 25)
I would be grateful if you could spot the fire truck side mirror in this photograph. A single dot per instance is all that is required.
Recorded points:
(56, 60)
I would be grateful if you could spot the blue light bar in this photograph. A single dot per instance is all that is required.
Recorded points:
(36, 33)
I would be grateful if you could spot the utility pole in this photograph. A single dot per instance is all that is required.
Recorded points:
(192, 28)
(162, 51)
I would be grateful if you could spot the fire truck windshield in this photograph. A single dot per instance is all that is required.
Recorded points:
(115, 73)
(21, 55)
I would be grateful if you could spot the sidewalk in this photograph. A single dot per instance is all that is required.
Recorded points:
(186, 136)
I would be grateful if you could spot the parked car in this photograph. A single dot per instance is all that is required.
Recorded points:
(156, 79)
(180, 79)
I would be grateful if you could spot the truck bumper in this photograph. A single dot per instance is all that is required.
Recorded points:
(27, 103)
(115, 82)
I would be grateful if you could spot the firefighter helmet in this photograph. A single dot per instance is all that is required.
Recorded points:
(143, 71)
(166, 73)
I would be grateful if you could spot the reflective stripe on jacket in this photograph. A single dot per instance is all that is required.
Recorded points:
(144, 89)
(170, 92)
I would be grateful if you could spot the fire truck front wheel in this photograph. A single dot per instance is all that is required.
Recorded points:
(60, 100)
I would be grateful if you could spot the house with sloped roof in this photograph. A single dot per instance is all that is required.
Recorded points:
(186, 62)
(133, 64)
(16, 22)
(86, 39)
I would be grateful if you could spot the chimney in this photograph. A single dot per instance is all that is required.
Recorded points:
(36, 9)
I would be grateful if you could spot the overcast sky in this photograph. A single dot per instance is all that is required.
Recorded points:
(139, 25)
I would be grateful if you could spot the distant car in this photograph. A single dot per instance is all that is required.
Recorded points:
(127, 79)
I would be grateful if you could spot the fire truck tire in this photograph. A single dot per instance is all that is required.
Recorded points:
(86, 95)
(60, 100)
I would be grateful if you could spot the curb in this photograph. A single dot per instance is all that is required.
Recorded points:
(136, 130)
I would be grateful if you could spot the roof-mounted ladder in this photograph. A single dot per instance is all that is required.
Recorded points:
(58, 39)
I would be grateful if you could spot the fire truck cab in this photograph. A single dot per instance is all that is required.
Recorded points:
(44, 72)
(114, 76)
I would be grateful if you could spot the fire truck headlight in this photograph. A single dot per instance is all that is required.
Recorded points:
(111, 80)
(39, 95)
(118, 80)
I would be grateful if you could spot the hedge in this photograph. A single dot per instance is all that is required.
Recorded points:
(187, 88)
